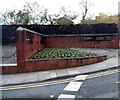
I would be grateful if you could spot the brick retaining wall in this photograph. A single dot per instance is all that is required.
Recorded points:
(40, 65)
(61, 63)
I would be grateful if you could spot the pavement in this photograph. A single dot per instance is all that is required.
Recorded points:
(8, 54)
(111, 62)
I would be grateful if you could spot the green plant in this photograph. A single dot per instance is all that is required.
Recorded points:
(48, 53)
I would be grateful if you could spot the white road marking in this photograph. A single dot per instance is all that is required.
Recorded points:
(73, 86)
(67, 96)
(81, 77)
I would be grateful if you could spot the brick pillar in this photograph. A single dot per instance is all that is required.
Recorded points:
(20, 49)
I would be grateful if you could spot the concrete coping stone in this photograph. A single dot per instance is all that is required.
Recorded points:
(8, 64)
(65, 58)
(25, 29)
(107, 34)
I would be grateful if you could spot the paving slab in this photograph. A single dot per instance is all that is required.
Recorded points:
(8, 54)
(19, 78)
(31, 77)
(43, 75)
(82, 70)
(53, 74)
(72, 71)
(7, 79)
(61, 72)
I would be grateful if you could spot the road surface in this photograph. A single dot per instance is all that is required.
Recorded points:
(96, 85)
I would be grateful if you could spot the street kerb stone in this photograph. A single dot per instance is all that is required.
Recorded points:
(61, 72)
(72, 71)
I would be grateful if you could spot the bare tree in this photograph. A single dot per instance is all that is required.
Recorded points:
(85, 6)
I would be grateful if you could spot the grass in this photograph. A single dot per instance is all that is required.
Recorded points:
(52, 53)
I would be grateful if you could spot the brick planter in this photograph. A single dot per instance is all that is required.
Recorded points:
(35, 65)
(50, 64)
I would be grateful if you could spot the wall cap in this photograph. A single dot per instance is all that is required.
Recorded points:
(25, 29)
(8, 65)
(66, 58)
(107, 34)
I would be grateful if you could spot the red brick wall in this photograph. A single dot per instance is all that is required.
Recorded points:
(20, 50)
(27, 45)
(74, 41)
(33, 45)
(59, 64)
(39, 65)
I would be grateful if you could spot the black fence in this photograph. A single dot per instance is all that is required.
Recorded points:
(75, 29)
(9, 34)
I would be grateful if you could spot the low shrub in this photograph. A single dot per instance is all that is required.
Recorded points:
(49, 53)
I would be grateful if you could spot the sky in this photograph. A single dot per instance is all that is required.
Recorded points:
(100, 6)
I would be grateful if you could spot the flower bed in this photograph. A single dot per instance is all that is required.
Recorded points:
(51, 53)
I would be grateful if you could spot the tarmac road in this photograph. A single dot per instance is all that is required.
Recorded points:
(96, 85)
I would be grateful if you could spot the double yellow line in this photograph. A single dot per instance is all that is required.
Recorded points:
(103, 74)
(56, 82)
